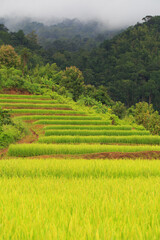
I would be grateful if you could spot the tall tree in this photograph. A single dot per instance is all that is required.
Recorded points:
(73, 81)
(9, 57)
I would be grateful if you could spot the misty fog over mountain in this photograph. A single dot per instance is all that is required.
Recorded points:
(113, 13)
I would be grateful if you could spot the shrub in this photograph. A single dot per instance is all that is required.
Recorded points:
(5, 117)
(10, 130)
(10, 78)
(87, 101)
(73, 81)
(119, 109)
(9, 134)
(144, 114)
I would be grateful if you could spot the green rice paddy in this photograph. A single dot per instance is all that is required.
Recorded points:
(53, 117)
(90, 127)
(26, 105)
(95, 132)
(28, 150)
(6, 100)
(45, 111)
(73, 122)
(15, 96)
(101, 139)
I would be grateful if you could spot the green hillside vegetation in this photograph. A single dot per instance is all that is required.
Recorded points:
(128, 65)
(10, 130)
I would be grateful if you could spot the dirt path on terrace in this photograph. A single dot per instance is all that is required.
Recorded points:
(29, 138)
(3, 152)
(15, 91)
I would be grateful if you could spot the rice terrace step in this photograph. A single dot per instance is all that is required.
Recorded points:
(58, 127)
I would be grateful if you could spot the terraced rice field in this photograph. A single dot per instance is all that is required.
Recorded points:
(68, 199)
(60, 130)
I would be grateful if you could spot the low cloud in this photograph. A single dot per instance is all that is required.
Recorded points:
(115, 13)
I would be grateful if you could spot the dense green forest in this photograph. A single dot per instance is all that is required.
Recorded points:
(125, 68)
(128, 65)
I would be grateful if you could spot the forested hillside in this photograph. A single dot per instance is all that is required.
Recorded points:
(128, 64)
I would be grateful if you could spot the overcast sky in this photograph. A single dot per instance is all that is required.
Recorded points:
(115, 13)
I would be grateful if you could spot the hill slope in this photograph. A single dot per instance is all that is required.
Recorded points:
(57, 129)
(128, 64)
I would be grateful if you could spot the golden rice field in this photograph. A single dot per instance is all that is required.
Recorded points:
(79, 199)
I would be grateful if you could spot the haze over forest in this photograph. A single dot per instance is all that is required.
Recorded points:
(113, 13)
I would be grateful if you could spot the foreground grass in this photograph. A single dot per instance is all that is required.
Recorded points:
(78, 199)
(27, 150)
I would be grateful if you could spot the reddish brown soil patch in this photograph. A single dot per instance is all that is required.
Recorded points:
(119, 155)
(15, 91)
(19, 92)
(3, 152)
(150, 155)
(29, 138)
(30, 121)
(39, 129)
